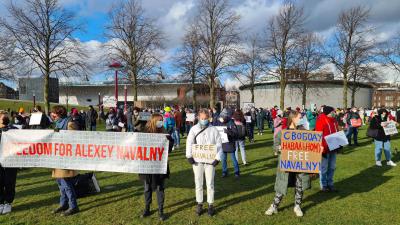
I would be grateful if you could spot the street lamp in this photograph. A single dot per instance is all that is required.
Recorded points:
(99, 101)
(116, 66)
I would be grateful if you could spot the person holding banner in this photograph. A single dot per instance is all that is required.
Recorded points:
(155, 182)
(65, 178)
(204, 134)
(302, 181)
(229, 147)
(381, 140)
(8, 176)
(327, 123)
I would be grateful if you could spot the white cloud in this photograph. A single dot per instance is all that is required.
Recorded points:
(231, 84)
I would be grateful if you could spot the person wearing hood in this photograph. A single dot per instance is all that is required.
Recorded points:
(277, 131)
(381, 140)
(251, 118)
(327, 124)
(284, 180)
(225, 120)
(8, 176)
(204, 134)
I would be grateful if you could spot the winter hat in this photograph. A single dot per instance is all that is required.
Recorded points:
(328, 109)
(167, 109)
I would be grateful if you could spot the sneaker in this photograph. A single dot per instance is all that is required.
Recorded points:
(60, 209)
(70, 212)
(297, 211)
(211, 210)
(275, 154)
(199, 209)
(378, 163)
(1, 208)
(391, 163)
(272, 210)
(6, 209)
(162, 217)
(224, 175)
(145, 213)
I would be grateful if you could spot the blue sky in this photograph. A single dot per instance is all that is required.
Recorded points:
(172, 16)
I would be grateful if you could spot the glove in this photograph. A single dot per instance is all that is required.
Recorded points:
(191, 160)
(56, 129)
(215, 163)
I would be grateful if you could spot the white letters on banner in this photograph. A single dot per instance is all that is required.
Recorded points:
(336, 140)
(128, 152)
(224, 136)
(204, 153)
(390, 128)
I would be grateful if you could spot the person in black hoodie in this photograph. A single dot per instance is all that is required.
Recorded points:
(382, 141)
(155, 182)
(8, 176)
(225, 119)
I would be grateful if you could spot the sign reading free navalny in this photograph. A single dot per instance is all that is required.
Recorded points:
(85, 150)
(300, 151)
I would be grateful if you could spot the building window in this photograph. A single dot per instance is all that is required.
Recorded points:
(389, 98)
(22, 88)
(89, 100)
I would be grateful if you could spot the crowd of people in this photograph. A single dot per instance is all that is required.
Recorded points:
(201, 129)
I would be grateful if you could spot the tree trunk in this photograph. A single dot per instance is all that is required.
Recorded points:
(46, 92)
(282, 97)
(134, 88)
(353, 96)
(252, 93)
(212, 93)
(194, 92)
(304, 94)
(345, 87)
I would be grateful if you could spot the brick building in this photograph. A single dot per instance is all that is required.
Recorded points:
(7, 92)
(386, 97)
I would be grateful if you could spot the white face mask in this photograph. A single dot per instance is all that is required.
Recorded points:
(159, 124)
(221, 119)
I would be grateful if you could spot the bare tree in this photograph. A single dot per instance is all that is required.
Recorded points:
(8, 56)
(350, 35)
(135, 40)
(362, 69)
(390, 50)
(249, 63)
(188, 59)
(218, 30)
(42, 31)
(284, 30)
(309, 60)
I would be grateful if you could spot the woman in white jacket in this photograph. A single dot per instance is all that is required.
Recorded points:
(204, 134)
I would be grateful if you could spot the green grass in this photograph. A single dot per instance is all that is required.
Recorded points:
(368, 194)
(14, 105)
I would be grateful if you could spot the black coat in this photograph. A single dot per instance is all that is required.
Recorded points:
(157, 179)
(376, 124)
(232, 133)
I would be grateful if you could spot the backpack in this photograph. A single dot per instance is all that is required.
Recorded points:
(241, 131)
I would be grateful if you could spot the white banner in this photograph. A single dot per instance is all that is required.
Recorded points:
(336, 140)
(204, 153)
(222, 133)
(128, 152)
(190, 117)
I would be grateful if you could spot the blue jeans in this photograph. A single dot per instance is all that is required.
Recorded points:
(225, 166)
(92, 127)
(175, 136)
(67, 191)
(379, 145)
(352, 131)
(327, 170)
(129, 128)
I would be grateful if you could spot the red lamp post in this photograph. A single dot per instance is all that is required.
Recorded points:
(116, 66)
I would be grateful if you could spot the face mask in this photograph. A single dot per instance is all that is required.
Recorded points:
(221, 119)
(204, 122)
(159, 124)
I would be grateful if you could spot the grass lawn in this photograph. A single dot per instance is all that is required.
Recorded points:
(368, 194)
(16, 104)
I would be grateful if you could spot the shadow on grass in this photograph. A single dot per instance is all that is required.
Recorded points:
(363, 182)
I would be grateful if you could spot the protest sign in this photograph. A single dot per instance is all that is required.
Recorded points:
(247, 106)
(368, 112)
(35, 118)
(248, 119)
(336, 140)
(109, 101)
(85, 150)
(204, 153)
(390, 128)
(224, 136)
(144, 116)
(300, 151)
(393, 113)
(190, 117)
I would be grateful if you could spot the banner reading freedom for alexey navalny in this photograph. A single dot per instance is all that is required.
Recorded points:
(300, 151)
(85, 150)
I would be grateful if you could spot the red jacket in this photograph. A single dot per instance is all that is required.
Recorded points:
(328, 125)
(274, 113)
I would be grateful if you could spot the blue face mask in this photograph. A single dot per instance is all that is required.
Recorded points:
(203, 122)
